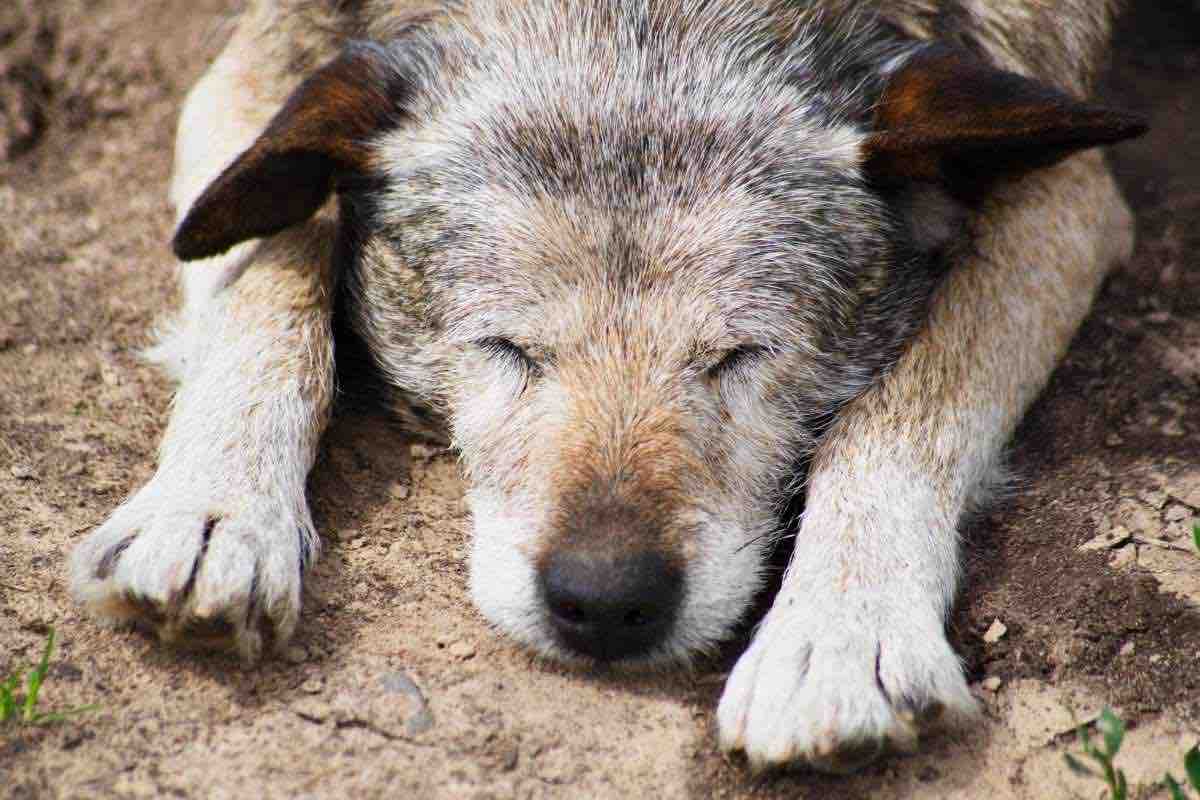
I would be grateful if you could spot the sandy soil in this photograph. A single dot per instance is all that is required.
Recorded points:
(394, 686)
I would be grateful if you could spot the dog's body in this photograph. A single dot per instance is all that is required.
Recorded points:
(644, 260)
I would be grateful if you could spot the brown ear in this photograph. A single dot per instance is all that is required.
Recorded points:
(286, 175)
(946, 117)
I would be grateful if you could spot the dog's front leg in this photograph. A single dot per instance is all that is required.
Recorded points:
(211, 551)
(852, 657)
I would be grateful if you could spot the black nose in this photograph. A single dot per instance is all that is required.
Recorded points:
(611, 607)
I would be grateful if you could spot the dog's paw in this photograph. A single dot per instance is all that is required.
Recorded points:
(198, 574)
(837, 690)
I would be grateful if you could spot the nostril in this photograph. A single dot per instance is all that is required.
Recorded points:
(637, 618)
(570, 612)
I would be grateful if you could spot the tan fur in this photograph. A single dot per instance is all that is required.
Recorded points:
(1027, 280)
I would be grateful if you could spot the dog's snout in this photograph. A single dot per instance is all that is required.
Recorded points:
(611, 607)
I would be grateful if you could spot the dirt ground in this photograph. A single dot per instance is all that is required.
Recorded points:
(394, 686)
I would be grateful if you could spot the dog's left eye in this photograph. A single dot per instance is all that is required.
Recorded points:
(735, 361)
(508, 350)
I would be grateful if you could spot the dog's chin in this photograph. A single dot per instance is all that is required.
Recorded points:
(721, 584)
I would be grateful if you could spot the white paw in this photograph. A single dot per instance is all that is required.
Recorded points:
(838, 685)
(201, 574)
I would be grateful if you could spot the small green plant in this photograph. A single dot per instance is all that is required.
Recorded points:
(1191, 767)
(1112, 733)
(23, 709)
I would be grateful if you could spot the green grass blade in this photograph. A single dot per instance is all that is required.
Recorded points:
(1112, 729)
(1110, 777)
(37, 676)
(1077, 766)
(1099, 757)
(59, 716)
(1173, 788)
(1086, 738)
(8, 699)
(1196, 537)
(1191, 763)
(1121, 790)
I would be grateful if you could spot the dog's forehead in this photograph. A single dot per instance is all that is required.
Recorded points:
(670, 234)
(627, 168)
(719, 212)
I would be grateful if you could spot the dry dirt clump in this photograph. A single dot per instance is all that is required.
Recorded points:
(394, 687)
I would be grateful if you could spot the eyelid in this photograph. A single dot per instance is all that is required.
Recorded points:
(739, 356)
(507, 348)
(501, 346)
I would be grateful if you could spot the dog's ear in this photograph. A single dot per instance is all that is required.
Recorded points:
(949, 118)
(319, 135)
(948, 126)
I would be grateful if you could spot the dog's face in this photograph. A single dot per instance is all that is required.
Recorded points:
(651, 287)
(637, 255)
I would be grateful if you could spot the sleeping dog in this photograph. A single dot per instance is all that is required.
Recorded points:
(653, 268)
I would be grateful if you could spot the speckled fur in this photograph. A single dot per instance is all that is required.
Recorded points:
(630, 222)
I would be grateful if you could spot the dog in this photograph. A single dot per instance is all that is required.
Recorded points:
(653, 268)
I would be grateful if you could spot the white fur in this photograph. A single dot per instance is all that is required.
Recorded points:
(856, 629)
(238, 448)
(247, 567)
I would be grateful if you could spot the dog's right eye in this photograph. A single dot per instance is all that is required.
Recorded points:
(736, 361)
(505, 349)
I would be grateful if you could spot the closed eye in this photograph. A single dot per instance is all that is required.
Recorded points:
(507, 350)
(737, 360)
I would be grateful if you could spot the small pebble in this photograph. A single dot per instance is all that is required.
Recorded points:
(1115, 537)
(312, 708)
(1113, 440)
(1154, 498)
(1176, 512)
(462, 650)
(22, 472)
(1125, 557)
(295, 655)
(996, 632)
(313, 686)
(421, 450)
(1187, 491)
(1137, 516)
(1173, 427)
(1127, 649)
(991, 684)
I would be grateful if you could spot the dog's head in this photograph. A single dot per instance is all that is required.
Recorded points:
(651, 247)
